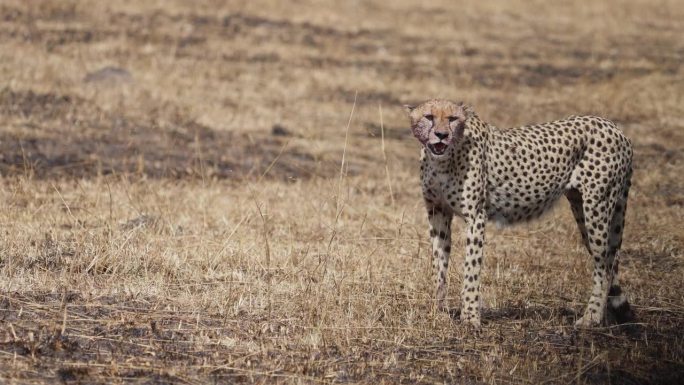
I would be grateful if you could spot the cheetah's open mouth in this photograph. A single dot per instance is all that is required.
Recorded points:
(437, 148)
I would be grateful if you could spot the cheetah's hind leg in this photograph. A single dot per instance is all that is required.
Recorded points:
(619, 310)
(603, 223)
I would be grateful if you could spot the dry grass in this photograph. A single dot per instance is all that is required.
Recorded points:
(187, 221)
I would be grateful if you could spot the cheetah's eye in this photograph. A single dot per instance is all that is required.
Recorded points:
(429, 117)
(453, 119)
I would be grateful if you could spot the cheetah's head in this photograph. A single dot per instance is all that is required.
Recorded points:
(438, 124)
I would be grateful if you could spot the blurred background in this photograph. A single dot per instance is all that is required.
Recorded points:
(138, 82)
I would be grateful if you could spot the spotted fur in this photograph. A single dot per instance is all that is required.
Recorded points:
(477, 172)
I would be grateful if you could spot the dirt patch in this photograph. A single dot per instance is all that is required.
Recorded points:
(74, 338)
(65, 136)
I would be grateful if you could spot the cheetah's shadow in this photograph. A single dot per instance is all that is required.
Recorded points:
(513, 312)
(563, 316)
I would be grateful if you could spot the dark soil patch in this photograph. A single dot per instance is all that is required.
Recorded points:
(64, 136)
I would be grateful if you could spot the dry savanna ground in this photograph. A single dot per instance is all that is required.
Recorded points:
(226, 192)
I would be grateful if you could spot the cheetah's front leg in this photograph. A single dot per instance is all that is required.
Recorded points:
(470, 296)
(440, 234)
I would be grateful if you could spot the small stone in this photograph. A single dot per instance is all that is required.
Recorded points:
(109, 74)
(278, 130)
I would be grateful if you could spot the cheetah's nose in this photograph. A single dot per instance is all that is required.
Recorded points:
(441, 134)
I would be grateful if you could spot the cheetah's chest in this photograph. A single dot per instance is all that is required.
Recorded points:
(443, 189)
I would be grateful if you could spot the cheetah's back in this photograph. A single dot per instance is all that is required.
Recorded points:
(530, 167)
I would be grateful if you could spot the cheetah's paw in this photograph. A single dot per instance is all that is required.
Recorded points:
(472, 318)
(588, 320)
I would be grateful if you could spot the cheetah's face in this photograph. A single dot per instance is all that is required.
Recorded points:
(438, 124)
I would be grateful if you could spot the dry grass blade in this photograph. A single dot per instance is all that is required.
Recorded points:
(384, 155)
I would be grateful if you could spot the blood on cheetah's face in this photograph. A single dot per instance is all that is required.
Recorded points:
(437, 124)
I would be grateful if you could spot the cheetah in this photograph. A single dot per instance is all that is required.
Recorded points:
(478, 172)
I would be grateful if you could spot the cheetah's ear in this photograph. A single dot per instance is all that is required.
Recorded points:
(468, 111)
(409, 108)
